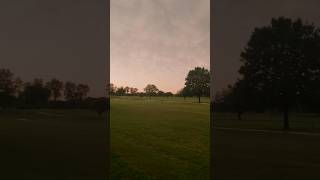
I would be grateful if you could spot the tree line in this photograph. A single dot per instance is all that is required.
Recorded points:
(15, 93)
(280, 71)
(149, 90)
(197, 84)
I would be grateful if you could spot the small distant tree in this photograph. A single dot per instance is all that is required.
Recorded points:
(82, 91)
(133, 91)
(6, 82)
(198, 82)
(6, 88)
(56, 87)
(151, 90)
(161, 93)
(121, 91)
(112, 89)
(70, 91)
(168, 94)
(36, 94)
(18, 86)
(127, 90)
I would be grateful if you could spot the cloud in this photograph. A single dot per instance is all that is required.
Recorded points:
(158, 40)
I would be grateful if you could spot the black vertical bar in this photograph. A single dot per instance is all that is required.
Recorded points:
(211, 93)
(108, 82)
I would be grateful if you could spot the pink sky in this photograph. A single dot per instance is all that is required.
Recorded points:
(158, 41)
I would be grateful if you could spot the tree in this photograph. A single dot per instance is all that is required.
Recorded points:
(121, 91)
(281, 62)
(111, 88)
(70, 91)
(167, 94)
(198, 82)
(6, 88)
(161, 93)
(82, 91)
(6, 82)
(18, 86)
(56, 87)
(151, 90)
(133, 91)
(127, 89)
(36, 94)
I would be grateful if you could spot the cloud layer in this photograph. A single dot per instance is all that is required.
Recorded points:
(158, 41)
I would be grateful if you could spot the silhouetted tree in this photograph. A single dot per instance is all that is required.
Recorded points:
(133, 91)
(198, 82)
(18, 86)
(112, 89)
(281, 61)
(70, 91)
(121, 91)
(6, 88)
(36, 94)
(127, 89)
(82, 91)
(56, 87)
(151, 90)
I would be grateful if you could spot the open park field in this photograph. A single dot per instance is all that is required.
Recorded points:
(159, 138)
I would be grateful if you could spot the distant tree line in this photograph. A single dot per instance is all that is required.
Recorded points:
(14, 93)
(280, 71)
(197, 84)
(149, 90)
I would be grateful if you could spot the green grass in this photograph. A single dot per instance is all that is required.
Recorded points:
(159, 138)
(156, 138)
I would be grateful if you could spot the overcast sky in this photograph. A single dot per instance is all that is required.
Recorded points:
(55, 38)
(158, 41)
(152, 41)
(234, 20)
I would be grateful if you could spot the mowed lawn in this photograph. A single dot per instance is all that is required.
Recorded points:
(159, 138)
(52, 144)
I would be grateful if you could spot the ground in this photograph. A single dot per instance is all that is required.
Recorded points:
(157, 138)
(52, 144)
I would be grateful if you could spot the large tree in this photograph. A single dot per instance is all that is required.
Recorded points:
(198, 82)
(281, 62)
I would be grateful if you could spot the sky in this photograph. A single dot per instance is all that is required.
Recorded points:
(152, 41)
(158, 41)
(62, 39)
(234, 21)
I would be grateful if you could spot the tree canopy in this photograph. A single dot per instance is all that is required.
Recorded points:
(197, 83)
(281, 63)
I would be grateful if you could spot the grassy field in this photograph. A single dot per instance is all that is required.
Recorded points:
(52, 144)
(159, 138)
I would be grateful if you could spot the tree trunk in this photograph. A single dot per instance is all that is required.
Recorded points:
(286, 117)
(199, 99)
